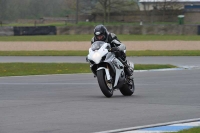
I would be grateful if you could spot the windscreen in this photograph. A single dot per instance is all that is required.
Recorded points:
(97, 45)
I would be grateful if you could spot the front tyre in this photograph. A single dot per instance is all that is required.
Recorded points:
(128, 88)
(105, 86)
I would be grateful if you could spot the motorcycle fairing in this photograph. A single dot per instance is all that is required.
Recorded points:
(119, 67)
(97, 55)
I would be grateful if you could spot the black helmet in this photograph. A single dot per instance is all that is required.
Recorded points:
(100, 33)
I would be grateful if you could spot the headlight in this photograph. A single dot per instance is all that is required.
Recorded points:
(96, 57)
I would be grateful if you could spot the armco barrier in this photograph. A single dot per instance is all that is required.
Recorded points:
(135, 30)
(198, 30)
(39, 30)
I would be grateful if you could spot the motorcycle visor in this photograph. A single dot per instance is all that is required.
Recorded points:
(100, 37)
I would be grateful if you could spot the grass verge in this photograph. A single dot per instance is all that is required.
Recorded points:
(21, 69)
(82, 23)
(88, 38)
(84, 53)
(192, 130)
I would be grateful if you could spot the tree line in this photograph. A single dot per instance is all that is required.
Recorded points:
(35, 9)
(32, 9)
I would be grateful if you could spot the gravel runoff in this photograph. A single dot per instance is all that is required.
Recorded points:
(73, 45)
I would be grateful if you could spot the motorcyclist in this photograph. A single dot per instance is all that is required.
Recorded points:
(102, 34)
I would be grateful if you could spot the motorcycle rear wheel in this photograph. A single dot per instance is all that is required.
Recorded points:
(128, 89)
(104, 85)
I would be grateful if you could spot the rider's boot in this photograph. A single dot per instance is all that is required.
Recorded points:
(127, 69)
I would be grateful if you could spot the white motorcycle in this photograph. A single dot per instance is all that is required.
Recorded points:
(109, 70)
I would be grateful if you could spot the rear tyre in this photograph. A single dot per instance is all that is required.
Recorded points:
(105, 86)
(128, 88)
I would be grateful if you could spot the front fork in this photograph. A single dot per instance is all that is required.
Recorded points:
(108, 77)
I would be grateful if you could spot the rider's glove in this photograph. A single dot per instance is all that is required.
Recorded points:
(115, 49)
(116, 42)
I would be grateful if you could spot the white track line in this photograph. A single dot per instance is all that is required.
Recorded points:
(149, 126)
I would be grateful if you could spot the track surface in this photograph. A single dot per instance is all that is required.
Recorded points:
(174, 60)
(75, 104)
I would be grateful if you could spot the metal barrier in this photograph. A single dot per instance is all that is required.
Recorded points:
(39, 30)
(198, 30)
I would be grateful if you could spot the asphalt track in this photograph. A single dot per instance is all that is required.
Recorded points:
(73, 103)
(175, 60)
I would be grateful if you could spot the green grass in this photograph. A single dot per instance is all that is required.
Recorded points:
(43, 53)
(152, 66)
(37, 24)
(20, 69)
(164, 53)
(192, 130)
(47, 38)
(159, 37)
(63, 23)
(80, 24)
(85, 53)
(88, 38)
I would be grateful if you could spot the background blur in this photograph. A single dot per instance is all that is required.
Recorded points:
(65, 13)
(22, 11)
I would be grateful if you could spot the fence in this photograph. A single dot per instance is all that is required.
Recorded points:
(123, 29)
(40, 30)
(135, 30)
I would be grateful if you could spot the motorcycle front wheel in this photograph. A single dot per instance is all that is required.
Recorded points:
(104, 84)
